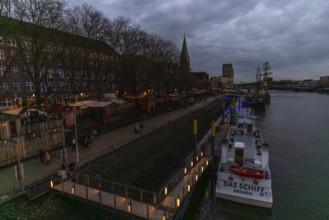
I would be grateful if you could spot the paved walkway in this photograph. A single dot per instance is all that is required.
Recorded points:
(35, 170)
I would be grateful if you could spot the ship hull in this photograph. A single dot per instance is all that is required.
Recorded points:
(246, 201)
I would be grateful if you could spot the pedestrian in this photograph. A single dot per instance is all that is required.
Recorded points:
(141, 127)
(62, 172)
(71, 166)
(42, 155)
(136, 128)
(86, 142)
(74, 143)
(47, 157)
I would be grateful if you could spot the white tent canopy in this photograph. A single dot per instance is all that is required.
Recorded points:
(16, 111)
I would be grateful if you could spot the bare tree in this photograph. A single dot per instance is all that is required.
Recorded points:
(5, 7)
(45, 13)
(91, 26)
(35, 58)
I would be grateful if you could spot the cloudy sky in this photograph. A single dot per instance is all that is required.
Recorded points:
(293, 35)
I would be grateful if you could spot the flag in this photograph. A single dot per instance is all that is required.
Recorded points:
(69, 119)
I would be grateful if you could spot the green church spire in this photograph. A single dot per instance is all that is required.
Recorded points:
(184, 58)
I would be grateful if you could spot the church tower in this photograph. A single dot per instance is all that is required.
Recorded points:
(184, 59)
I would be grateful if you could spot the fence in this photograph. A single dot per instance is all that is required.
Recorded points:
(115, 188)
(29, 139)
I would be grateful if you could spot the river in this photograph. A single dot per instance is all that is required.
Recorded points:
(296, 126)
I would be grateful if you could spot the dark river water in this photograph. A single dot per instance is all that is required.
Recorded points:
(296, 126)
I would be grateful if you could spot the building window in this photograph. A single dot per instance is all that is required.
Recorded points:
(68, 86)
(16, 87)
(29, 86)
(51, 73)
(84, 85)
(14, 71)
(13, 54)
(4, 87)
(61, 86)
(28, 57)
(24, 44)
(2, 70)
(2, 55)
(12, 42)
(51, 87)
(6, 102)
(60, 73)
(49, 58)
(43, 87)
(77, 75)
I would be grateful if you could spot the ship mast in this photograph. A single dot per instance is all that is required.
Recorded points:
(266, 72)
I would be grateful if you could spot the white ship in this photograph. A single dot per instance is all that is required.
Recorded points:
(243, 174)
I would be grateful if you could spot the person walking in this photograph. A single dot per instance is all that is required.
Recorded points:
(47, 157)
(74, 143)
(42, 155)
(141, 127)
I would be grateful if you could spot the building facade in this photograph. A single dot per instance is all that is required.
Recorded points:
(55, 67)
(228, 76)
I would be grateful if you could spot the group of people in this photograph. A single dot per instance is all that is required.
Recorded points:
(138, 127)
(83, 140)
(44, 156)
(63, 172)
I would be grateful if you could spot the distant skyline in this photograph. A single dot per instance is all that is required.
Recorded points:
(291, 34)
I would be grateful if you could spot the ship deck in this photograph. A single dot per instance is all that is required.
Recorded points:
(252, 153)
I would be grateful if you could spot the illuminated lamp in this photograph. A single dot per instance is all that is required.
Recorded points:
(196, 177)
(191, 163)
(177, 201)
(51, 184)
(130, 207)
(73, 189)
(185, 170)
(166, 190)
(188, 187)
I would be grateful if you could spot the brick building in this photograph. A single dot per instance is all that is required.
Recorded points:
(41, 65)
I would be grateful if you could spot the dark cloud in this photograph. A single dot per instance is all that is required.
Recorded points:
(291, 34)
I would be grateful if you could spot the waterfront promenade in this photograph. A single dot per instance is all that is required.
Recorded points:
(105, 143)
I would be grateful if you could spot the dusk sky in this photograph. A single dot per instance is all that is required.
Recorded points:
(292, 35)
